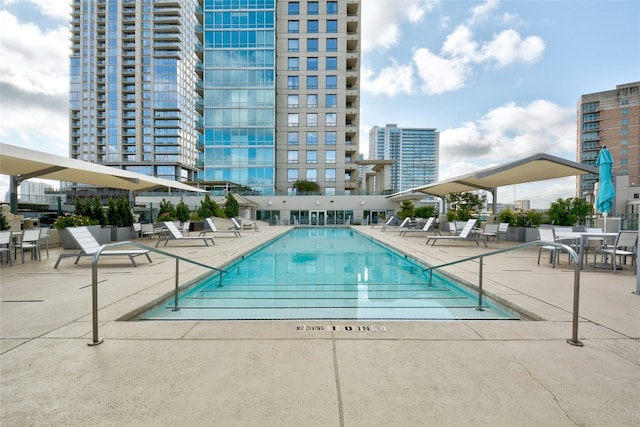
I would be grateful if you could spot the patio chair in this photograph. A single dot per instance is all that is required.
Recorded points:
(89, 246)
(45, 231)
(29, 240)
(503, 228)
(210, 227)
(490, 231)
(174, 234)
(6, 245)
(465, 235)
(624, 246)
(547, 235)
(424, 229)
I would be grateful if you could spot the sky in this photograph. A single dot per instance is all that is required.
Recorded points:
(500, 80)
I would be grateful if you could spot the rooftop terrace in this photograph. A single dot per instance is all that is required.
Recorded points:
(292, 373)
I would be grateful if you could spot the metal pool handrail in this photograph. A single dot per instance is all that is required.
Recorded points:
(576, 278)
(94, 279)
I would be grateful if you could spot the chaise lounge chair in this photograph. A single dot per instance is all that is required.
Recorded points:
(427, 227)
(210, 227)
(405, 224)
(174, 234)
(89, 246)
(466, 235)
(388, 223)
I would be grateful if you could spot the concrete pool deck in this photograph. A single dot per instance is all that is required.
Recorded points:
(292, 373)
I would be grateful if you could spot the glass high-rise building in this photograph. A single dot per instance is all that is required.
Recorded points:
(610, 118)
(415, 151)
(259, 93)
(135, 89)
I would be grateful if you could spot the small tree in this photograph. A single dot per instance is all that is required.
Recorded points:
(125, 213)
(569, 212)
(182, 211)
(119, 213)
(231, 207)
(209, 208)
(112, 212)
(166, 211)
(424, 212)
(464, 205)
(507, 216)
(4, 225)
(306, 187)
(97, 211)
(406, 209)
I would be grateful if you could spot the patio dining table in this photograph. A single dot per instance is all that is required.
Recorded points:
(582, 237)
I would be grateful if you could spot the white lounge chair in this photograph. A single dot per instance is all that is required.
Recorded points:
(405, 224)
(424, 229)
(210, 227)
(465, 235)
(89, 246)
(172, 233)
(388, 223)
(236, 225)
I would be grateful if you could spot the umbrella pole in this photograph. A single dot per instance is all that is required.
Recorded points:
(604, 215)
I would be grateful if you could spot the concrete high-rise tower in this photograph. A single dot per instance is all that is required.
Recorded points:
(610, 118)
(135, 88)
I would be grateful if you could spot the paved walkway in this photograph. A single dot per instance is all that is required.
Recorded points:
(294, 373)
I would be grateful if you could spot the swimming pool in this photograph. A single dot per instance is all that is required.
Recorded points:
(326, 273)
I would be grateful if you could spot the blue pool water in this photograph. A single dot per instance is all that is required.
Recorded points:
(326, 273)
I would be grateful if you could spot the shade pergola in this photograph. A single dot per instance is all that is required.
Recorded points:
(538, 167)
(22, 163)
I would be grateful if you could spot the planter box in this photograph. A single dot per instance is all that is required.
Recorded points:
(516, 234)
(531, 234)
(119, 234)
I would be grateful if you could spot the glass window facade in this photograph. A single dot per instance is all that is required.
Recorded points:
(239, 76)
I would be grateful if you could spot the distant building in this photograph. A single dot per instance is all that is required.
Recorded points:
(415, 151)
(35, 192)
(612, 119)
(522, 205)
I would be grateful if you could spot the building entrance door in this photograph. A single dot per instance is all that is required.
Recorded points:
(317, 218)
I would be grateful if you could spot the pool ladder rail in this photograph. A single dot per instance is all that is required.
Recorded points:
(576, 277)
(94, 279)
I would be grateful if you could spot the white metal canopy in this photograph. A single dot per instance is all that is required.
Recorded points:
(538, 167)
(22, 163)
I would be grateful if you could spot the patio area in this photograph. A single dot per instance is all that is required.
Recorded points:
(320, 373)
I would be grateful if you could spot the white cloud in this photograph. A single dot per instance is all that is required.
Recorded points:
(53, 8)
(508, 48)
(382, 20)
(459, 56)
(391, 81)
(31, 59)
(482, 11)
(439, 74)
(507, 132)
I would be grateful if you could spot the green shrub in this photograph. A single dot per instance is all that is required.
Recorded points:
(73, 221)
(182, 211)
